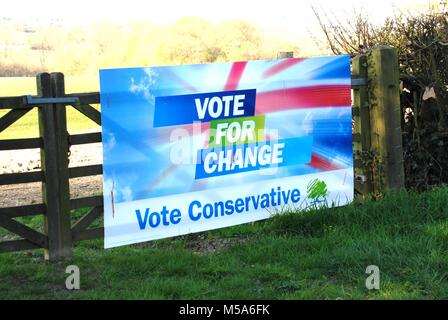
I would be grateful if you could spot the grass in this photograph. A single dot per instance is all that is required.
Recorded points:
(319, 254)
(27, 126)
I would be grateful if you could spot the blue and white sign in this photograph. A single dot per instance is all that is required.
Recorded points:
(197, 147)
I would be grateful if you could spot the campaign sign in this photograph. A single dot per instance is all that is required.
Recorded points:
(197, 147)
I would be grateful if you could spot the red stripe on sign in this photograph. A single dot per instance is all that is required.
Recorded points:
(305, 97)
(235, 75)
(283, 65)
(322, 164)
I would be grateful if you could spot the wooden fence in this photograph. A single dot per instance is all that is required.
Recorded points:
(376, 138)
(54, 144)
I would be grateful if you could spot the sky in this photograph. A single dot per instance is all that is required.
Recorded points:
(283, 14)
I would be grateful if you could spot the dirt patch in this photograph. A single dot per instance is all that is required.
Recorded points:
(198, 243)
(204, 246)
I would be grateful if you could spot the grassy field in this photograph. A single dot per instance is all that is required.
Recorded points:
(319, 254)
(27, 126)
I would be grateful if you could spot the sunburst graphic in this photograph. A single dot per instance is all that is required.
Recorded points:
(297, 96)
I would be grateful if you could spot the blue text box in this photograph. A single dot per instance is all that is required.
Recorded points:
(295, 151)
(182, 109)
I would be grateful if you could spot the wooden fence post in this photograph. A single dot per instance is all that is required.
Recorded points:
(285, 54)
(385, 115)
(54, 163)
(361, 119)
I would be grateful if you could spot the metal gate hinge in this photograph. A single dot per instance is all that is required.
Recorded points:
(30, 100)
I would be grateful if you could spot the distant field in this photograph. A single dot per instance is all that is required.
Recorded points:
(27, 126)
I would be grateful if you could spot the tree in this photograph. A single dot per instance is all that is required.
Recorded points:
(422, 43)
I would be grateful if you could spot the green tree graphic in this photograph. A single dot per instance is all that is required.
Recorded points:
(317, 189)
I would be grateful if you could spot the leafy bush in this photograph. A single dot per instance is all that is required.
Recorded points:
(422, 43)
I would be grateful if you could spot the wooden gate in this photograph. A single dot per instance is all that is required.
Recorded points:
(54, 142)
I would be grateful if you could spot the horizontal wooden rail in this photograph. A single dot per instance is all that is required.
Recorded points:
(86, 202)
(18, 144)
(76, 139)
(17, 245)
(21, 102)
(86, 98)
(23, 211)
(85, 171)
(14, 103)
(21, 177)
